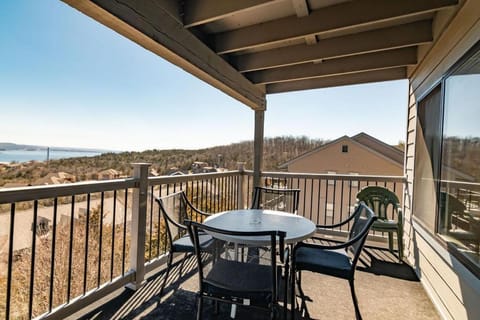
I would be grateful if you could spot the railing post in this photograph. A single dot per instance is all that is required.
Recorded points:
(138, 227)
(240, 191)
(258, 147)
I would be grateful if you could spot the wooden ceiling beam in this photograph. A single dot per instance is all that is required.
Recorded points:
(151, 25)
(343, 16)
(358, 63)
(341, 80)
(198, 12)
(370, 41)
(302, 10)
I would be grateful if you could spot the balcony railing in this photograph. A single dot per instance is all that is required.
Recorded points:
(69, 245)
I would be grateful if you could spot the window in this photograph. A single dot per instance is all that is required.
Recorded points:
(427, 157)
(459, 189)
(345, 148)
(447, 153)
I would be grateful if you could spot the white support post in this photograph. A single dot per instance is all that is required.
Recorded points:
(258, 147)
(138, 227)
(240, 186)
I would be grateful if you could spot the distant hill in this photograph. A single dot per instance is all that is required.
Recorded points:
(14, 146)
(276, 151)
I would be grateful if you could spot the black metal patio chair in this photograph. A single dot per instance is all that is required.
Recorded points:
(175, 210)
(241, 281)
(276, 199)
(338, 260)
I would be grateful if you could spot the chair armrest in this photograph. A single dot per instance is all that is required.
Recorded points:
(201, 212)
(336, 225)
(338, 246)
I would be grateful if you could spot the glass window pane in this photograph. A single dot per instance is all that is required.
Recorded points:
(459, 214)
(427, 157)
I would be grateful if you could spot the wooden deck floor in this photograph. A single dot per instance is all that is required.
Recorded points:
(385, 289)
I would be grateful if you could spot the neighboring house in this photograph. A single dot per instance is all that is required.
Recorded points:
(108, 174)
(55, 178)
(361, 154)
(198, 166)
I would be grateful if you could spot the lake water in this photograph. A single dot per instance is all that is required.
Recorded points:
(41, 155)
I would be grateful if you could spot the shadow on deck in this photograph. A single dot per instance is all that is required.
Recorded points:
(386, 289)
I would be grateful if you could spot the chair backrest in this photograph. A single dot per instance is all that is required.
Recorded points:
(175, 210)
(222, 250)
(381, 200)
(363, 220)
(276, 199)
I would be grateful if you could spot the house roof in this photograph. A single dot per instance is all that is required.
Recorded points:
(362, 139)
(252, 48)
(110, 171)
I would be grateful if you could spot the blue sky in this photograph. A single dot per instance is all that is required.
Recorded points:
(66, 80)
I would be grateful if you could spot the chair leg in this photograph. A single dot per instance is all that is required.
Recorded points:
(358, 316)
(199, 307)
(169, 266)
(390, 241)
(292, 291)
(400, 244)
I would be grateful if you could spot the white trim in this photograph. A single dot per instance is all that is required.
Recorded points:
(448, 258)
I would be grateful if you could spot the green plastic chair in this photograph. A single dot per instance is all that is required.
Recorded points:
(380, 200)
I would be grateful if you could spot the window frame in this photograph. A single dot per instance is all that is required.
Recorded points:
(472, 267)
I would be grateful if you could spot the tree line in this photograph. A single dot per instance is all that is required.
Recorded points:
(277, 150)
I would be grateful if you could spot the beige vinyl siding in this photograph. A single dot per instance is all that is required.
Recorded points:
(357, 159)
(454, 290)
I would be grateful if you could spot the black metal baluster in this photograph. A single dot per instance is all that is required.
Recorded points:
(87, 233)
(10, 261)
(210, 195)
(319, 199)
(202, 202)
(311, 198)
(151, 225)
(334, 198)
(326, 201)
(350, 201)
(124, 231)
(32, 262)
(159, 219)
(341, 200)
(304, 197)
(100, 240)
(114, 213)
(52, 257)
(70, 255)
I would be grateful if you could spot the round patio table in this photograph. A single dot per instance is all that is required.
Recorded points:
(297, 228)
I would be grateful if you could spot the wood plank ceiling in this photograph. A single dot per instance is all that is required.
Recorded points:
(251, 48)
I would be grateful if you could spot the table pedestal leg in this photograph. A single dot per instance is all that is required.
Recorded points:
(233, 310)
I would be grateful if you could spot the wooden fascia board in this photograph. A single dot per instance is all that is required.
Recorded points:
(343, 16)
(150, 25)
(341, 80)
(198, 12)
(359, 63)
(370, 41)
